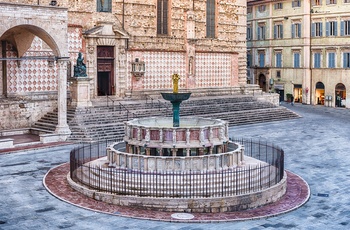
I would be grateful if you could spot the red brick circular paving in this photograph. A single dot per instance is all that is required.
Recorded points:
(297, 194)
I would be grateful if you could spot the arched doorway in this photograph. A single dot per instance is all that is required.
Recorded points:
(319, 93)
(340, 95)
(262, 82)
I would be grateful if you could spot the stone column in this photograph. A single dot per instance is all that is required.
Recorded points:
(174, 152)
(62, 126)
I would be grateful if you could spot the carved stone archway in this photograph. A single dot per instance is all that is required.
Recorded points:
(23, 23)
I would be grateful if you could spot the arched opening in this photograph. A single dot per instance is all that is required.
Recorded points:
(319, 93)
(262, 82)
(28, 61)
(340, 95)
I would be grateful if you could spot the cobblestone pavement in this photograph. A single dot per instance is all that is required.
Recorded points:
(316, 147)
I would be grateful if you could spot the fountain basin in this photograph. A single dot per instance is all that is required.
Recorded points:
(176, 97)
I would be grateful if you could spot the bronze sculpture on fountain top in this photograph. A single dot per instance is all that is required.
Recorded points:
(176, 98)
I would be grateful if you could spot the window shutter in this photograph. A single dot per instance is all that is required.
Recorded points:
(274, 31)
(342, 24)
(313, 2)
(299, 30)
(321, 27)
(344, 60)
(335, 28)
(281, 31)
(293, 30)
(327, 29)
(328, 2)
(313, 29)
(259, 32)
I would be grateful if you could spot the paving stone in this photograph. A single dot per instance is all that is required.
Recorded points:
(316, 148)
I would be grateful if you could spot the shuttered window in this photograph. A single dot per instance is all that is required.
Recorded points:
(278, 59)
(296, 30)
(346, 60)
(296, 60)
(317, 60)
(331, 60)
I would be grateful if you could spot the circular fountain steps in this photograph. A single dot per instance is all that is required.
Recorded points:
(297, 194)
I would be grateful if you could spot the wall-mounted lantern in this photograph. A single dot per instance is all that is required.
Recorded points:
(138, 68)
(271, 81)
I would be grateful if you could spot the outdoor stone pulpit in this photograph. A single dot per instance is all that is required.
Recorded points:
(80, 85)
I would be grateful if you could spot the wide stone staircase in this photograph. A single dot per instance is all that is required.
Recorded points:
(102, 122)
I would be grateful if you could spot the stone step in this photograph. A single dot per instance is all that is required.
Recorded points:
(97, 121)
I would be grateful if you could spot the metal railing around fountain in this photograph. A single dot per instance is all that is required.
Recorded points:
(193, 184)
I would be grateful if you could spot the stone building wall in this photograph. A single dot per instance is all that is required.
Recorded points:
(204, 64)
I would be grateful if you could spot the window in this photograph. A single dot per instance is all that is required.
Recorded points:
(345, 28)
(331, 60)
(261, 59)
(331, 29)
(162, 16)
(330, 2)
(316, 2)
(278, 31)
(316, 29)
(296, 3)
(317, 60)
(296, 60)
(278, 59)
(249, 33)
(261, 8)
(249, 10)
(104, 5)
(249, 59)
(210, 18)
(261, 32)
(278, 73)
(296, 30)
(346, 60)
(278, 6)
(346, 1)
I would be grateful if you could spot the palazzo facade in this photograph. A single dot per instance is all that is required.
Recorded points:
(300, 48)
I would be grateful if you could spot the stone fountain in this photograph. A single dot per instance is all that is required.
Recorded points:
(191, 166)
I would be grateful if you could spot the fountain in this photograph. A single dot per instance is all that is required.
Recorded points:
(187, 166)
(176, 98)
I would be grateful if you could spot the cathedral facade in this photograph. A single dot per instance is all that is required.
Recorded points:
(131, 48)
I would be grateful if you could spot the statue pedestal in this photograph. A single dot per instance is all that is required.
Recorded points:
(80, 91)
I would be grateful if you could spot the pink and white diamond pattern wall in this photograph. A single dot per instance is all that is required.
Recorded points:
(31, 75)
(34, 74)
(213, 69)
(75, 43)
(160, 66)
